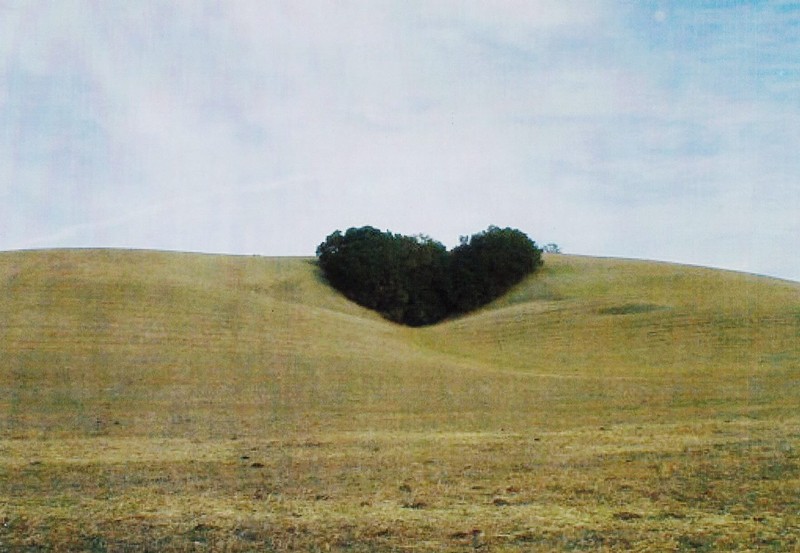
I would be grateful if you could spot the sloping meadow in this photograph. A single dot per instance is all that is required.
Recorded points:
(179, 402)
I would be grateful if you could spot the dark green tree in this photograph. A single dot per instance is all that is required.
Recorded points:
(415, 280)
(404, 278)
(486, 265)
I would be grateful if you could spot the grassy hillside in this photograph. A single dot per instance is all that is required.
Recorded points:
(189, 402)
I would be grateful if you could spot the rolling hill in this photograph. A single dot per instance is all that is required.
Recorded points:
(183, 401)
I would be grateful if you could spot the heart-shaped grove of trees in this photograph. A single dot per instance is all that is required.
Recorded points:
(415, 280)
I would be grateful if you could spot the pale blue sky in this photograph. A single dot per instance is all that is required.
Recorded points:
(665, 130)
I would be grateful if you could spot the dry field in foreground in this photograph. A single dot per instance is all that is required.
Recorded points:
(179, 402)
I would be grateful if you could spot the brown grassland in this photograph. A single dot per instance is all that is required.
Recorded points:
(182, 402)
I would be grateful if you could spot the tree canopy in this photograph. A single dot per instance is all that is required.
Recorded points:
(414, 280)
(484, 266)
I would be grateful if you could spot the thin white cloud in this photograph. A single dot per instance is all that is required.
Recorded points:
(655, 130)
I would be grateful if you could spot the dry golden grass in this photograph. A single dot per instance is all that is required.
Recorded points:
(183, 402)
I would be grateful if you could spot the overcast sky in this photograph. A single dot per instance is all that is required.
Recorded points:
(656, 129)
